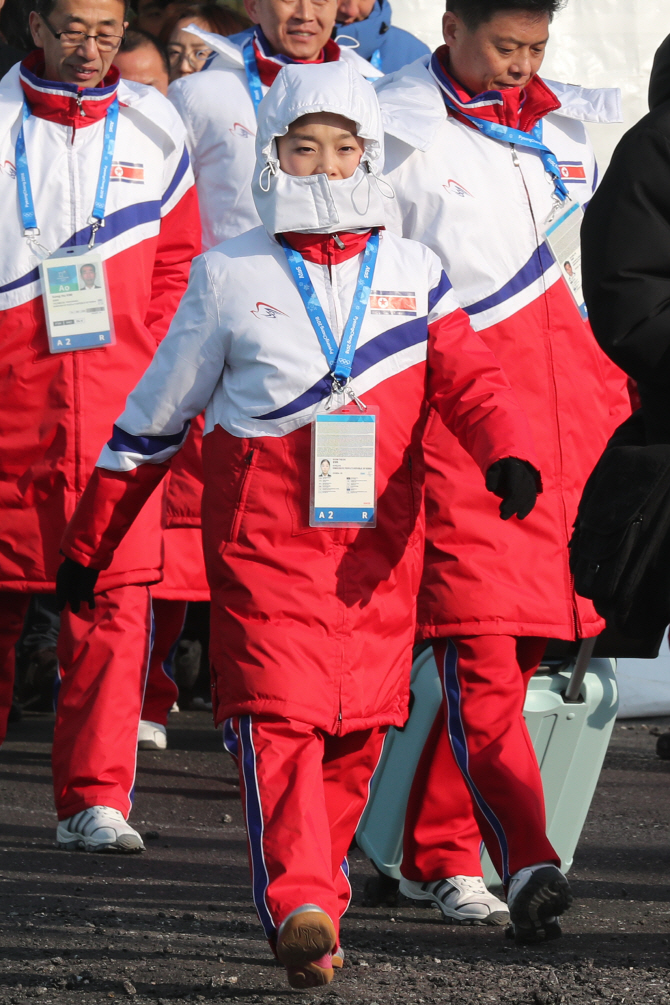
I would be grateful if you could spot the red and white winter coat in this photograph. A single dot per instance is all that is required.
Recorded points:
(55, 410)
(308, 623)
(481, 206)
(220, 121)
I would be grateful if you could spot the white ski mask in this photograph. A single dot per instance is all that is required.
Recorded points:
(314, 203)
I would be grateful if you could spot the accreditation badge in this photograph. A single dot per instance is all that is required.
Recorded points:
(76, 302)
(344, 477)
(563, 238)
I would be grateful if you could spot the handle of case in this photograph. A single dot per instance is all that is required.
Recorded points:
(581, 666)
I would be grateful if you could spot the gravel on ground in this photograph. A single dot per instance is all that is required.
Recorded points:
(176, 924)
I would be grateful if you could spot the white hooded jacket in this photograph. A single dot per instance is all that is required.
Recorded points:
(310, 623)
(220, 120)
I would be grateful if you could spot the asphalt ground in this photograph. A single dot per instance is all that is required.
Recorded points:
(176, 924)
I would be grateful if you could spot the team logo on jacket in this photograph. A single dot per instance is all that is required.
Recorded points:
(455, 188)
(125, 171)
(267, 311)
(393, 302)
(573, 171)
(8, 168)
(237, 129)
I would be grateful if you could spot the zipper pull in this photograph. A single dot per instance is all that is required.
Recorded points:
(339, 242)
(79, 104)
(515, 157)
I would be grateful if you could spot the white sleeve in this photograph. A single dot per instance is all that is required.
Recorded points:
(178, 383)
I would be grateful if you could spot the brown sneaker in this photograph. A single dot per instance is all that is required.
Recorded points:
(305, 943)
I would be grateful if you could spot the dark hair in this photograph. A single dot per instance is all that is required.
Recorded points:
(136, 38)
(45, 7)
(220, 20)
(14, 24)
(476, 12)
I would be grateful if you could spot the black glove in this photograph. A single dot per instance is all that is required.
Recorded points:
(515, 482)
(74, 584)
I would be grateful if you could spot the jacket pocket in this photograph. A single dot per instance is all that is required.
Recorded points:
(249, 463)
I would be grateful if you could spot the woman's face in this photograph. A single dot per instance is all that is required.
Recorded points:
(187, 52)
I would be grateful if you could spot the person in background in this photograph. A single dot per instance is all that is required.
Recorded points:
(15, 38)
(54, 403)
(368, 23)
(151, 15)
(144, 59)
(186, 51)
(484, 156)
(221, 132)
(626, 254)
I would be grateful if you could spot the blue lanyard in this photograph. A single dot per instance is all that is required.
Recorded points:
(26, 202)
(339, 361)
(533, 141)
(376, 59)
(253, 76)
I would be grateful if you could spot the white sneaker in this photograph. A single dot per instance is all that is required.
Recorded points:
(99, 828)
(535, 896)
(463, 900)
(151, 736)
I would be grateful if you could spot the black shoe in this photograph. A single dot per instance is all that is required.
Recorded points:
(537, 895)
(663, 746)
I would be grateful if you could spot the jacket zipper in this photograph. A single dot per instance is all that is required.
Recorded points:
(77, 363)
(411, 489)
(242, 497)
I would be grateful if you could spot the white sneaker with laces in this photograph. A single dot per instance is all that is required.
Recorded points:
(151, 736)
(463, 900)
(536, 896)
(98, 828)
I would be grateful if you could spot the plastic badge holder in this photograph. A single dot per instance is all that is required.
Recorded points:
(343, 491)
(563, 238)
(76, 303)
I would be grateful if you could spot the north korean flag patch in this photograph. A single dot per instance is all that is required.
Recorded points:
(573, 171)
(393, 302)
(125, 171)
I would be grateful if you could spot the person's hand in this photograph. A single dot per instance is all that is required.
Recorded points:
(74, 585)
(515, 482)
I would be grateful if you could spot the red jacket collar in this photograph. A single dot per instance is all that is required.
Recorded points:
(520, 108)
(64, 103)
(322, 249)
(269, 63)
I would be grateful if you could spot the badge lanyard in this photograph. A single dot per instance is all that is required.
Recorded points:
(27, 205)
(253, 76)
(517, 137)
(340, 361)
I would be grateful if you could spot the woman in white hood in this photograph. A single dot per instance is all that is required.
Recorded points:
(317, 337)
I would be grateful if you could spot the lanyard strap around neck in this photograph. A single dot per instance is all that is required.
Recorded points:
(517, 137)
(340, 361)
(26, 202)
(253, 76)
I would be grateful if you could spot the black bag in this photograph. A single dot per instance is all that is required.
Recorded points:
(620, 549)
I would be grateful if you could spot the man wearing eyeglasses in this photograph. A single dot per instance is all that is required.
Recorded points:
(94, 168)
(219, 104)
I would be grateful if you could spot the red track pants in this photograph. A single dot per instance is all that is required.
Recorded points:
(303, 793)
(478, 774)
(104, 658)
(13, 610)
(161, 691)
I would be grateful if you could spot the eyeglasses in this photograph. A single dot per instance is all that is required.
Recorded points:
(196, 59)
(73, 39)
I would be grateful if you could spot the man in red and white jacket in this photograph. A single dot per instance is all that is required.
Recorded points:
(56, 408)
(484, 155)
(218, 105)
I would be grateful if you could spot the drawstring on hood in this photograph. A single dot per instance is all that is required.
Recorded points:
(314, 203)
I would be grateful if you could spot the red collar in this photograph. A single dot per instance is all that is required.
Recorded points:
(66, 104)
(269, 63)
(520, 108)
(322, 248)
